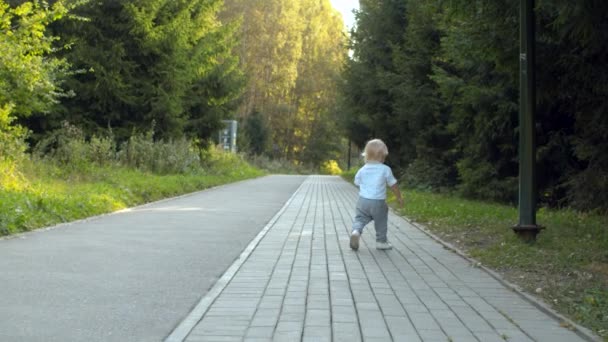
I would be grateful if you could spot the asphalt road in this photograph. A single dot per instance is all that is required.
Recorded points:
(133, 275)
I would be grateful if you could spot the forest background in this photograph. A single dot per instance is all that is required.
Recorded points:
(436, 80)
(439, 80)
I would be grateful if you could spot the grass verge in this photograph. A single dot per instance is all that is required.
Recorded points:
(567, 266)
(48, 195)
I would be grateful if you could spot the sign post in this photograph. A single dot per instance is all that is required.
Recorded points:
(227, 135)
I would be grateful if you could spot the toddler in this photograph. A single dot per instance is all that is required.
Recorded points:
(372, 180)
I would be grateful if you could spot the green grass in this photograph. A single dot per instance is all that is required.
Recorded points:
(52, 195)
(568, 262)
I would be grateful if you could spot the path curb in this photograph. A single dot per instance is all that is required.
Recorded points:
(183, 329)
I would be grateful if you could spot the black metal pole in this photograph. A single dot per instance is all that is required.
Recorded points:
(349, 154)
(527, 228)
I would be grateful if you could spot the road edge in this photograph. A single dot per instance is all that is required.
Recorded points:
(183, 329)
(41, 230)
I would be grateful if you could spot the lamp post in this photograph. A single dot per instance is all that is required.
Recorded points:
(527, 228)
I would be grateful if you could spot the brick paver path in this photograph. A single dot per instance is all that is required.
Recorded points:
(303, 283)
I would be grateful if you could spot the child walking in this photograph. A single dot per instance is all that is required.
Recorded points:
(372, 180)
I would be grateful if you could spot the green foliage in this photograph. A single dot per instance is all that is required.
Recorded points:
(30, 76)
(330, 167)
(30, 79)
(439, 83)
(168, 62)
(161, 157)
(50, 192)
(230, 165)
(292, 53)
(479, 79)
(568, 261)
(69, 148)
(12, 148)
(65, 146)
(255, 134)
(12, 144)
(368, 88)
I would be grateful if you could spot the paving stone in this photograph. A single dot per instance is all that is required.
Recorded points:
(317, 317)
(432, 335)
(260, 332)
(423, 321)
(317, 333)
(303, 283)
(346, 331)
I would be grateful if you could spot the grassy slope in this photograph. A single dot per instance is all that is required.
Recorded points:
(48, 195)
(567, 266)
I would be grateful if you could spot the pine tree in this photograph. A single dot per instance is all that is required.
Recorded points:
(162, 64)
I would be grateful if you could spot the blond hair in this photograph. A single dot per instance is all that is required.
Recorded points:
(375, 150)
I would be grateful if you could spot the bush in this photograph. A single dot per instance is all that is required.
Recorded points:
(69, 148)
(222, 163)
(424, 175)
(65, 146)
(481, 181)
(161, 157)
(330, 167)
(12, 144)
(12, 151)
(588, 190)
(102, 150)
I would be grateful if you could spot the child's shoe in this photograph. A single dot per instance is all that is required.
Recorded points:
(383, 245)
(354, 240)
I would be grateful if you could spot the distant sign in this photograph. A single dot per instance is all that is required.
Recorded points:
(228, 135)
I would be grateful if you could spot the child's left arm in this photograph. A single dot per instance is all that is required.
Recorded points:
(397, 192)
(392, 183)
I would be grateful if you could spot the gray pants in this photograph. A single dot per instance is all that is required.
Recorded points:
(368, 210)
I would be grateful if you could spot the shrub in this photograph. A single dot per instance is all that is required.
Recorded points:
(330, 167)
(12, 147)
(424, 175)
(102, 150)
(162, 157)
(65, 146)
(218, 161)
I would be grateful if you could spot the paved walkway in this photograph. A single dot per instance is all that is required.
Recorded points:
(302, 282)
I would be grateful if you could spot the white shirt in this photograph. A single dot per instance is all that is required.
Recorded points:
(372, 180)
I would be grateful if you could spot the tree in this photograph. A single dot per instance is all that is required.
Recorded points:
(417, 104)
(31, 75)
(163, 63)
(439, 81)
(313, 138)
(292, 54)
(478, 81)
(368, 96)
(255, 134)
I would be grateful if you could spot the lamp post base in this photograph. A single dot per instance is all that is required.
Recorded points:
(527, 233)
